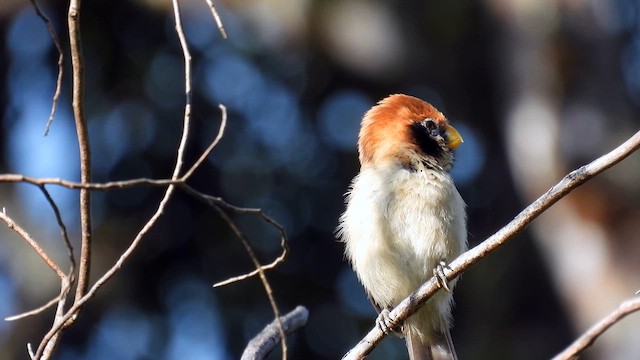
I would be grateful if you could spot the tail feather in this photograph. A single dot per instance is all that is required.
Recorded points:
(438, 347)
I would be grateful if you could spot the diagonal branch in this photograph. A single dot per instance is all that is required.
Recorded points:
(574, 179)
(35, 311)
(61, 225)
(588, 338)
(217, 19)
(34, 244)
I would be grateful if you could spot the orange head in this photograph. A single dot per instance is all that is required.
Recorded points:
(407, 130)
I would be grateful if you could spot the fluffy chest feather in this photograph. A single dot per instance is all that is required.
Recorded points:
(398, 225)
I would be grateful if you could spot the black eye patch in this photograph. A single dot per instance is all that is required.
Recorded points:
(423, 135)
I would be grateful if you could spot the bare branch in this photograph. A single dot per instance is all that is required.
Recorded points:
(187, 89)
(34, 311)
(263, 277)
(216, 17)
(588, 338)
(112, 185)
(84, 147)
(56, 41)
(51, 344)
(219, 202)
(15, 227)
(262, 344)
(63, 228)
(213, 144)
(61, 322)
(241, 236)
(574, 179)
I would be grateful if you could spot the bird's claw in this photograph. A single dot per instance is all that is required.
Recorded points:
(385, 323)
(438, 272)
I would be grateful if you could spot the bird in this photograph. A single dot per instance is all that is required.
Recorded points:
(405, 219)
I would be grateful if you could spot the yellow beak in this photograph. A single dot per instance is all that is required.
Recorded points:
(453, 136)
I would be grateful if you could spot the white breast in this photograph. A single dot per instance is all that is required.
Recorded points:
(398, 225)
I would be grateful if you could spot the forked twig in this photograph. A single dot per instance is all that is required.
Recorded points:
(214, 143)
(219, 202)
(261, 273)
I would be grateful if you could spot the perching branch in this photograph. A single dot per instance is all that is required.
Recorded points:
(262, 344)
(588, 338)
(574, 179)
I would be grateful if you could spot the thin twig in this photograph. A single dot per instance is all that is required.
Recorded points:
(215, 202)
(63, 228)
(51, 344)
(262, 275)
(56, 41)
(112, 185)
(72, 312)
(574, 179)
(265, 282)
(588, 338)
(83, 145)
(173, 183)
(262, 344)
(216, 17)
(187, 88)
(34, 311)
(34, 244)
(207, 152)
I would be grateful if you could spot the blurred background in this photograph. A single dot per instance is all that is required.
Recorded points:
(536, 88)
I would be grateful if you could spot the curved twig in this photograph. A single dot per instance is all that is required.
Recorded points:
(214, 143)
(574, 179)
(56, 42)
(262, 344)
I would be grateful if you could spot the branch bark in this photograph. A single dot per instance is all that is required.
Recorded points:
(589, 337)
(84, 147)
(263, 343)
(574, 179)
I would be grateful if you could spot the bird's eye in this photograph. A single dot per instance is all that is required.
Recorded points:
(430, 125)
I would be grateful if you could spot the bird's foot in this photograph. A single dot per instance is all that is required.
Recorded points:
(438, 272)
(385, 323)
